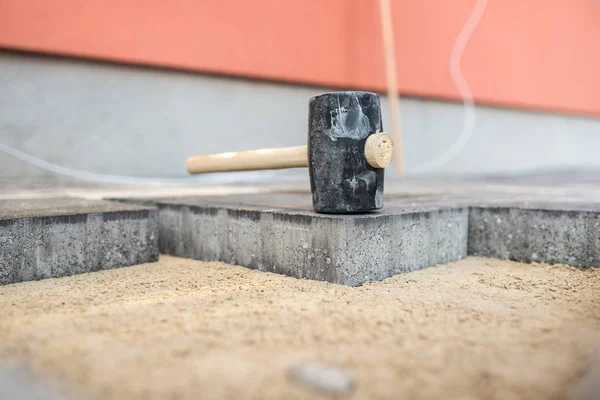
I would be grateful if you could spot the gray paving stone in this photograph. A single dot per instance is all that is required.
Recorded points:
(280, 233)
(551, 218)
(63, 236)
(555, 233)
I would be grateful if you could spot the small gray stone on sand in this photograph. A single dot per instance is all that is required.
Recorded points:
(17, 384)
(330, 380)
(587, 386)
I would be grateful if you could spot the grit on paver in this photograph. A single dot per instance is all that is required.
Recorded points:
(55, 237)
(476, 328)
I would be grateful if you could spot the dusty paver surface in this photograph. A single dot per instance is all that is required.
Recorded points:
(177, 329)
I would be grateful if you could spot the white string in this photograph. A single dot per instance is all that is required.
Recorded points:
(465, 92)
(130, 180)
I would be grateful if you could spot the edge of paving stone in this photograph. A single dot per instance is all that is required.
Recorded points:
(44, 213)
(58, 207)
(575, 206)
(210, 205)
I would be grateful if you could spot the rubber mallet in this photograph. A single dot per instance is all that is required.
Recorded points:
(346, 154)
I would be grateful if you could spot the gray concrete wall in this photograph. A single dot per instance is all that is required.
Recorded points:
(140, 121)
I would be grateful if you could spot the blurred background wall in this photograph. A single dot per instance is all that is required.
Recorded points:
(134, 87)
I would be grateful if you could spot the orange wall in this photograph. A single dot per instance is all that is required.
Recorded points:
(539, 54)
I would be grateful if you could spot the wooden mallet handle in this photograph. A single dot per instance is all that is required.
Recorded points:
(287, 157)
(378, 153)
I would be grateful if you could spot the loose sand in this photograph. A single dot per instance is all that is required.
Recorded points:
(478, 328)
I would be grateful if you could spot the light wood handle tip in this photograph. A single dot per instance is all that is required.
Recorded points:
(379, 150)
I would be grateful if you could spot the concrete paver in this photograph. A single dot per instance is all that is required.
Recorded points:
(280, 233)
(55, 237)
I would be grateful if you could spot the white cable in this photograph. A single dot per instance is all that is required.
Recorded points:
(465, 92)
(128, 180)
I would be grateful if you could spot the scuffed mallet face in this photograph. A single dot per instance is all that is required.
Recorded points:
(341, 180)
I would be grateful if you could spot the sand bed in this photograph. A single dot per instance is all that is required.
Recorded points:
(477, 328)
